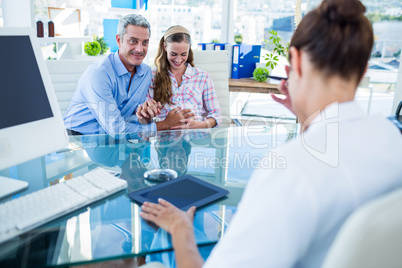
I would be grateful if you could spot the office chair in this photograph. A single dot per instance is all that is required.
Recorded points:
(371, 237)
(216, 64)
(397, 118)
(65, 75)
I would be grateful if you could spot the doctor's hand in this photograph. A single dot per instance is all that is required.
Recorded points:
(167, 216)
(148, 110)
(283, 88)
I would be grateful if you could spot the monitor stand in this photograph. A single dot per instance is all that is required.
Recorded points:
(11, 186)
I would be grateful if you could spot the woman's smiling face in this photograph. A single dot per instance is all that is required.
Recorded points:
(177, 54)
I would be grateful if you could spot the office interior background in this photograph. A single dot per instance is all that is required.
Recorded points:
(221, 20)
(208, 20)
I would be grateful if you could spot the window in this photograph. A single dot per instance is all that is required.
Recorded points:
(161, 14)
(253, 19)
(386, 18)
(385, 59)
(165, 13)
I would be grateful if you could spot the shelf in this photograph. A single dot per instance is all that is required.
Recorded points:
(66, 47)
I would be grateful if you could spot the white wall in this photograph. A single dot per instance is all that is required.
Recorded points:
(18, 13)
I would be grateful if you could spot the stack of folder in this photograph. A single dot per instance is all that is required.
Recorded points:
(242, 57)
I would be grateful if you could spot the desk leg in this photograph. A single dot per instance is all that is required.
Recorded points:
(135, 228)
(370, 98)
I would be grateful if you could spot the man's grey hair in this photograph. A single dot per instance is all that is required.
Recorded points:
(132, 19)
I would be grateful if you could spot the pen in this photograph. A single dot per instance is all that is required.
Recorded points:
(278, 77)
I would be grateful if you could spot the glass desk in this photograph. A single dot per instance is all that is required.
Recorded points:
(112, 228)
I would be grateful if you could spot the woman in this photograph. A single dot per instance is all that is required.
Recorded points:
(343, 159)
(176, 83)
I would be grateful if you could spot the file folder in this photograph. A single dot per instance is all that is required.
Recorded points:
(229, 48)
(244, 59)
(220, 46)
(206, 46)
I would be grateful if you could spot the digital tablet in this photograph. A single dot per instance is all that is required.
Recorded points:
(184, 192)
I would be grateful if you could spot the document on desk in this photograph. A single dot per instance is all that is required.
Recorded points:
(274, 81)
(277, 74)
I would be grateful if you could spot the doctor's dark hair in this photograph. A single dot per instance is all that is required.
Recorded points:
(337, 37)
(132, 19)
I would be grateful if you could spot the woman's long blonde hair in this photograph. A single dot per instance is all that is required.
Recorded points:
(162, 83)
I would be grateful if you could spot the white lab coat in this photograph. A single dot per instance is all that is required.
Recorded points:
(289, 217)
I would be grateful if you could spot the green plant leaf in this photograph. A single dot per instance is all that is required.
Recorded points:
(92, 48)
(103, 44)
(260, 74)
(278, 49)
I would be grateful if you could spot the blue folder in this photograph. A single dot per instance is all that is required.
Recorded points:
(220, 46)
(206, 46)
(132, 4)
(244, 59)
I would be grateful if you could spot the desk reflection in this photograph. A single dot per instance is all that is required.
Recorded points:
(111, 228)
(116, 228)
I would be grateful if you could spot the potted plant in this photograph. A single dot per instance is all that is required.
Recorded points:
(260, 74)
(238, 38)
(104, 45)
(272, 58)
(92, 48)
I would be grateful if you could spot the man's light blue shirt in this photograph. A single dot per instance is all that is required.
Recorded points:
(102, 102)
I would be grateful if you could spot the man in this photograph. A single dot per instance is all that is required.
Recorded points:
(110, 90)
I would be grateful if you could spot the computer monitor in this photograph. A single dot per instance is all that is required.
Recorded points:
(30, 121)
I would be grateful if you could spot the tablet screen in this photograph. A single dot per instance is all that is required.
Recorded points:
(181, 194)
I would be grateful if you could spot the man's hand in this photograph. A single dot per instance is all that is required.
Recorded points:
(283, 88)
(174, 118)
(148, 110)
(167, 216)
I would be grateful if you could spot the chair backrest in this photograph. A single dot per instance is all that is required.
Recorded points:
(371, 237)
(65, 75)
(216, 64)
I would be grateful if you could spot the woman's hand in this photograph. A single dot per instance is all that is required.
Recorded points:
(180, 225)
(283, 88)
(167, 216)
(191, 123)
(174, 118)
(147, 111)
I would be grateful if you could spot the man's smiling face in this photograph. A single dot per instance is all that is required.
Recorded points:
(133, 46)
